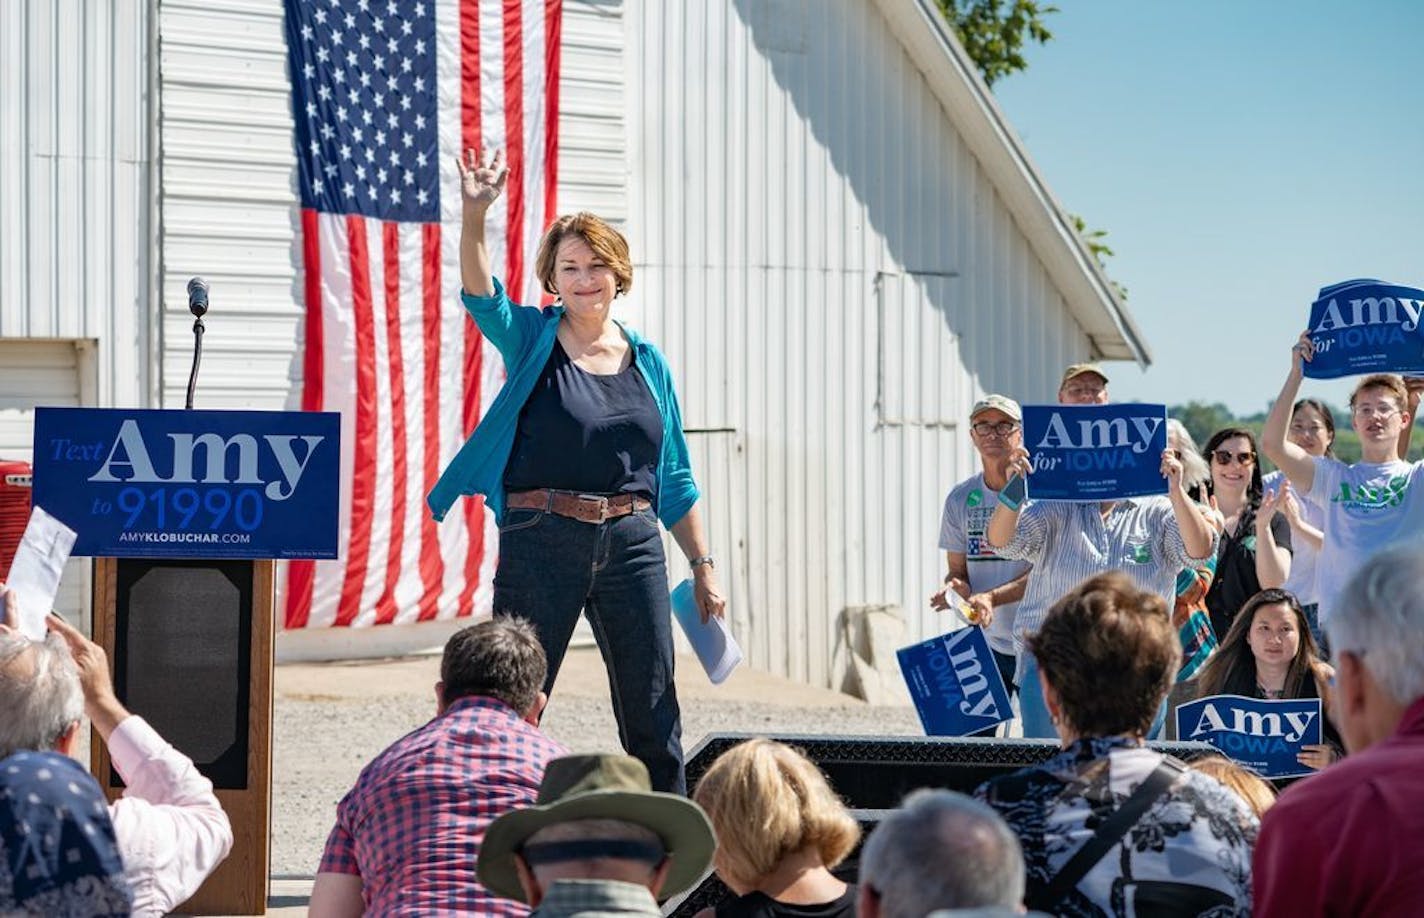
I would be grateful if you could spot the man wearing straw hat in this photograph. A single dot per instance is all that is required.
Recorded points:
(598, 841)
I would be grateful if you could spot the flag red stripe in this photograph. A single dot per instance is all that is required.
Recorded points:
(363, 471)
(514, 142)
(390, 246)
(432, 565)
(553, 41)
(469, 75)
(301, 574)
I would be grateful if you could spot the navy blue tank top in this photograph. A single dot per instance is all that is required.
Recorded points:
(585, 432)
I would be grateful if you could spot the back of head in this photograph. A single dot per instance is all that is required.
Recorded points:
(498, 658)
(1246, 784)
(942, 850)
(40, 696)
(766, 800)
(594, 849)
(1380, 618)
(1110, 652)
(58, 853)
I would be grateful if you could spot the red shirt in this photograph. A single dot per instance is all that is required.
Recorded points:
(1350, 840)
(412, 825)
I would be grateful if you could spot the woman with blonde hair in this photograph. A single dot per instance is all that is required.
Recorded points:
(781, 830)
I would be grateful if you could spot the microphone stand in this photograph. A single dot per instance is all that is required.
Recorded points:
(197, 358)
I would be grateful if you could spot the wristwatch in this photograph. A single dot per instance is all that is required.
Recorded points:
(701, 560)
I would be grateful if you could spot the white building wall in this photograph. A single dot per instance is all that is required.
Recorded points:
(835, 282)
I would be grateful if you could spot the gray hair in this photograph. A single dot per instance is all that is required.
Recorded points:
(1194, 467)
(1380, 616)
(942, 850)
(39, 692)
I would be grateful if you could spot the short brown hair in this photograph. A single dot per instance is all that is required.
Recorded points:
(1110, 652)
(766, 800)
(607, 243)
(1391, 382)
(499, 658)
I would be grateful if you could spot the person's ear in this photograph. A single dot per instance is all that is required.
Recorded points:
(1050, 699)
(659, 877)
(536, 710)
(65, 744)
(533, 895)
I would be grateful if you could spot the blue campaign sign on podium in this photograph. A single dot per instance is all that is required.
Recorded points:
(137, 483)
(954, 683)
(1095, 452)
(1264, 736)
(1366, 326)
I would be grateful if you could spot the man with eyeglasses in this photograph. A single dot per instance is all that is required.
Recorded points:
(992, 585)
(1150, 539)
(1371, 505)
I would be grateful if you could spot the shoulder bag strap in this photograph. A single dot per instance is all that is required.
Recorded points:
(1109, 833)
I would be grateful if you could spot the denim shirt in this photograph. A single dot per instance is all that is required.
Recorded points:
(525, 336)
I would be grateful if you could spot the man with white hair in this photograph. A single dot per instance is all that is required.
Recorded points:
(171, 830)
(941, 850)
(1350, 840)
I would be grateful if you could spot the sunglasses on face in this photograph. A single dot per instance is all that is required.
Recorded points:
(1224, 457)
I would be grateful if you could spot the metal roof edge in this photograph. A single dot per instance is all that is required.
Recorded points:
(967, 99)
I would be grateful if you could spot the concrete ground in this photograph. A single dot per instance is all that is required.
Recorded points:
(332, 718)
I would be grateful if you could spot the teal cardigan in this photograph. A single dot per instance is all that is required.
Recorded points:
(525, 336)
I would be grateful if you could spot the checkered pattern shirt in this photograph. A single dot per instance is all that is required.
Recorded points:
(412, 825)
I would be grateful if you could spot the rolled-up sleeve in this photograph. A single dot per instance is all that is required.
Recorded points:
(1173, 548)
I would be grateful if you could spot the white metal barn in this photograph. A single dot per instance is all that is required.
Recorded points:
(839, 242)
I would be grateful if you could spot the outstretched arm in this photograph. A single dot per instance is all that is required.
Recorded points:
(1415, 385)
(482, 179)
(1298, 465)
(1197, 533)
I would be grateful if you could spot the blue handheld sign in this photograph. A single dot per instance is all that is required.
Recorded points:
(1264, 736)
(1095, 452)
(191, 484)
(955, 684)
(1366, 326)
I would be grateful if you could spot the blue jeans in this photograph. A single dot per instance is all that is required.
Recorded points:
(1037, 724)
(551, 568)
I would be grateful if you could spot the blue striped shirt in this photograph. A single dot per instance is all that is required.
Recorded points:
(1067, 543)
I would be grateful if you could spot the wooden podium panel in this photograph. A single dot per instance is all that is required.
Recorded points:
(190, 648)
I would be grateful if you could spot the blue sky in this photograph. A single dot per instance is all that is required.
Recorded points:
(1241, 155)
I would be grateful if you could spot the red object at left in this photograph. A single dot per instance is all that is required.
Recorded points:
(16, 478)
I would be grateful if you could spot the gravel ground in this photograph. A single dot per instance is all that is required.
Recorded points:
(331, 724)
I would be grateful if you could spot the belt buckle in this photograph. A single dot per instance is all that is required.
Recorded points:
(594, 504)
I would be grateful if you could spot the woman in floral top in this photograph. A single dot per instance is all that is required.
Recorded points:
(1107, 654)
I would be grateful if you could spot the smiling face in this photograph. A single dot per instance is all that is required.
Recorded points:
(1275, 635)
(1233, 474)
(584, 281)
(1309, 431)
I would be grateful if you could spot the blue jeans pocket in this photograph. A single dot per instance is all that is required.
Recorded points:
(520, 518)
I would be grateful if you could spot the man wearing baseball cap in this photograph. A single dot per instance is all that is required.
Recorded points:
(1083, 384)
(991, 584)
(597, 841)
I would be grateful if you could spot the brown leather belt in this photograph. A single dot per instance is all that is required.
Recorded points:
(586, 508)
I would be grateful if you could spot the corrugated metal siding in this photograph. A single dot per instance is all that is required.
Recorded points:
(228, 202)
(786, 154)
(593, 138)
(75, 232)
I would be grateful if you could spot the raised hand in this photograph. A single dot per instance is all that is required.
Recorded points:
(1172, 469)
(1019, 463)
(1270, 504)
(1302, 352)
(482, 177)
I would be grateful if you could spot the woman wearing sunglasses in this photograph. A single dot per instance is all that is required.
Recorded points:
(1254, 551)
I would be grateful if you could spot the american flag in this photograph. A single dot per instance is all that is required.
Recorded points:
(385, 93)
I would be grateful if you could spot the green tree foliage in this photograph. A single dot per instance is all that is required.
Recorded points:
(1096, 241)
(994, 32)
(1203, 420)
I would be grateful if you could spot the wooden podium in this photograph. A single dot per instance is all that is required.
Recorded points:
(190, 646)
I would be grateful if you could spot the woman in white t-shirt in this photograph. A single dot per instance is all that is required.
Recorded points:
(1312, 428)
(1376, 503)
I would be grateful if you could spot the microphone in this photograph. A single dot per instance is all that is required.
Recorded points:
(198, 297)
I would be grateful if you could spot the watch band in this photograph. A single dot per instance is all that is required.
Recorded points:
(701, 560)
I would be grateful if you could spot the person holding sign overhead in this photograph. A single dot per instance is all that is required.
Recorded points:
(1150, 538)
(580, 456)
(1369, 506)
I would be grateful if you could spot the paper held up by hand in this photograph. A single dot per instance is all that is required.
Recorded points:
(712, 640)
(35, 572)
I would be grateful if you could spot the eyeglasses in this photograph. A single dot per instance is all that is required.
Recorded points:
(1001, 429)
(1080, 391)
(1224, 457)
(1372, 411)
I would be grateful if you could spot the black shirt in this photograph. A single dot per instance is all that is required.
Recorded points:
(587, 432)
(760, 905)
(1235, 580)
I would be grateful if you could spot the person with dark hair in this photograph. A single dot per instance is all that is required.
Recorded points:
(1109, 826)
(579, 457)
(1254, 551)
(406, 833)
(1269, 653)
(1312, 428)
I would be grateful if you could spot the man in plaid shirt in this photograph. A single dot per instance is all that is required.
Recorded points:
(407, 834)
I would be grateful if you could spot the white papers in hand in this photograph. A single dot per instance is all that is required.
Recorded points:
(712, 640)
(35, 572)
